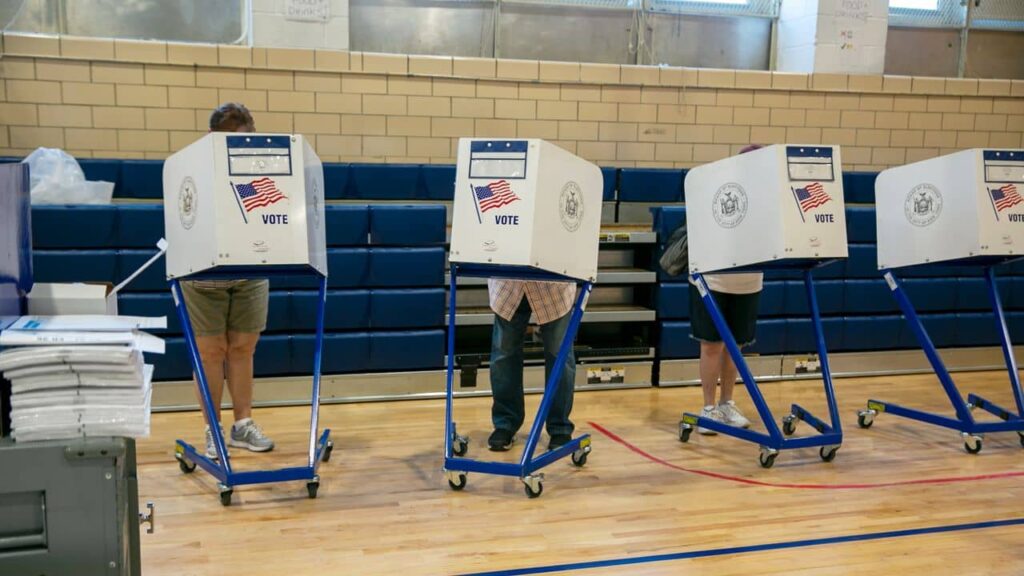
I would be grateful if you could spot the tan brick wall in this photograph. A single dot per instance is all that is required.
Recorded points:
(132, 99)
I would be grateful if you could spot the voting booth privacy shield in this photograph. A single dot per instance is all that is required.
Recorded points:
(962, 209)
(962, 205)
(777, 207)
(246, 206)
(526, 203)
(525, 209)
(235, 200)
(778, 203)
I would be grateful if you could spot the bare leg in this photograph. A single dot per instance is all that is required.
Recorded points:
(728, 377)
(710, 369)
(213, 351)
(240, 348)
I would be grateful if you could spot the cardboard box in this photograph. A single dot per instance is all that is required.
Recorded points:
(79, 298)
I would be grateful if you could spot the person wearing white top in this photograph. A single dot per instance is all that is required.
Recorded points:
(737, 296)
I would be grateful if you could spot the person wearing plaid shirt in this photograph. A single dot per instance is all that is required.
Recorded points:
(513, 302)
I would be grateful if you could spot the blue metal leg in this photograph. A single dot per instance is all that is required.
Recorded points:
(991, 407)
(775, 437)
(449, 426)
(211, 412)
(314, 416)
(957, 401)
(826, 371)
(1004, 339)
(802, 413)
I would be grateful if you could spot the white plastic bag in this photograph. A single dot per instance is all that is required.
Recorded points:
(57, 178)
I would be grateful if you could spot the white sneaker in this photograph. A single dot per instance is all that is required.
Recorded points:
(732, 415)
(246, 434)
(713, 413)
(211, 447)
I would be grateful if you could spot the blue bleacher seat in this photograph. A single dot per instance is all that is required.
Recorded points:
(860, 224)
(273, 356)
(800, 335)
(406, 267)
(773, 299)
(383, 182)
(345, 310)
(674, 301)
(859, 187)
(348, 267)
(611, 183)
(407, 225)
(869, 296)
(438, 182)
(871, 332)
(74, 226)
(106, 169)
(347, 225)
(75, 265)
(771, 337)
(675, 341)
(863, 261)
(829, 293)
(343, 353)
(410, 350)
(667, 219)
(930, 294)
(139, 225)
(153, 278)
(141, 179)
(976, 329)
(335, 180)
(407, 308)
(650, 185)
(174, 363)
(941, 329)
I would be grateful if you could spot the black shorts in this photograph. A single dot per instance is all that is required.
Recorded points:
(739, 311)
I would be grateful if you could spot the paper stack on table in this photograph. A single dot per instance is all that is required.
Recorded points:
(75, 376)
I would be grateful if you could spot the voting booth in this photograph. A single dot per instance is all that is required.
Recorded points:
(963, 209)
(524, 209)
(240, 199)
(776, 207)
(15, 260)
(246, 206)
(526, 203)
(963, 205)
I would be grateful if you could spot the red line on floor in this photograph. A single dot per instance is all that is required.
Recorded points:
(950, 480)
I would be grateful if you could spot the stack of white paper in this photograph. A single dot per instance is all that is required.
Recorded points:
(75, 376)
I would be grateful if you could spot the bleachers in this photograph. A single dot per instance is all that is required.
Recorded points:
(387, 261)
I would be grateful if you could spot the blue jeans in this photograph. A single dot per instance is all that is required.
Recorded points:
(506, 369)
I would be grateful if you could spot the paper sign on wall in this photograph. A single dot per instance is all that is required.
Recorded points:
(308, 10)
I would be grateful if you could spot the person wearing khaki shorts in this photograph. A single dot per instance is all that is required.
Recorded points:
(227, 317)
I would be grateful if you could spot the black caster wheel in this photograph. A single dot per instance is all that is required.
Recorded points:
(767, 459)
(457, 481)
(225, 497)
(579, 458)
(972, 444)
(828, 453)
(312, 488)
(327, 451)
(530, 492)
(684, 432)
(190, 467)
(865, 419)
(789, 425)
(460, 446)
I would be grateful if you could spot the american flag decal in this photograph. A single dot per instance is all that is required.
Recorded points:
(494, 195)
(1005, 196)
(258, 193)
(811, 197)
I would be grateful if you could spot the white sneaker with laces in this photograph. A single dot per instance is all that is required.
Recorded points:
(732, 415)
(211, 447)
(712, 413)
(246, 434)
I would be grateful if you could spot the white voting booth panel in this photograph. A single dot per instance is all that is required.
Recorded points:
(961, 205)
(526, 203)
(239, 199)
(781, 202)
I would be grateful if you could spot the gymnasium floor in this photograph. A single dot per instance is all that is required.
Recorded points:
(900, 498)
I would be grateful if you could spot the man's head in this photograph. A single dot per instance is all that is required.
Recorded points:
(751, 148)
(232, 117)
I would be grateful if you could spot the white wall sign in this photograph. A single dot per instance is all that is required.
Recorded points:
(308, 10)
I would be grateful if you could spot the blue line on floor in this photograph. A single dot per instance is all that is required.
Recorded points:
(751, 548)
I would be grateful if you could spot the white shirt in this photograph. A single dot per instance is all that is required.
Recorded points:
(739, 283)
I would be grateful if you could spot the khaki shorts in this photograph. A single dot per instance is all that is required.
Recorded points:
(231, 306)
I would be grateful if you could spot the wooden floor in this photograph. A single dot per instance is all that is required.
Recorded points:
(385, 507)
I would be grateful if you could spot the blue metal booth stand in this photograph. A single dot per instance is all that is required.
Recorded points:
(319, 448)
(830, 436)
(456, 467)
(970, 430)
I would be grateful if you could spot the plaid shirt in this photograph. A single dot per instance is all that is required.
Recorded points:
(548, 300)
